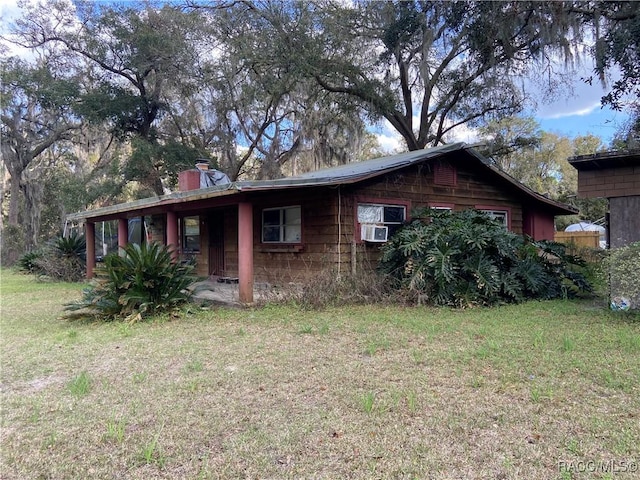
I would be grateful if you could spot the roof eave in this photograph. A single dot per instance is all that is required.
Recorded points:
(154, 202)
(346, 178)
(558, 208)
(602, 160)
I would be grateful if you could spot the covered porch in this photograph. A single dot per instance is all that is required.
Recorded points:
(215, 230)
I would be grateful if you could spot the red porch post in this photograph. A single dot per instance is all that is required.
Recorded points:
(245, 252)
(123, 233)
(90, 239)
(172, 233)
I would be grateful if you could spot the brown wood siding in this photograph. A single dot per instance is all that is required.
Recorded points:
(283, 263)
(609, 182)
(320, 249)
(473, 188)
(416, 185)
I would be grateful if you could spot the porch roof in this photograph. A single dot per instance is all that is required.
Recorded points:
(341, 175)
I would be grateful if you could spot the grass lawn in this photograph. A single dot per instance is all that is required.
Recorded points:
(542, 390)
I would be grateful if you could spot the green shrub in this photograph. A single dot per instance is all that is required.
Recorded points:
(466, 258)
(63, 259)
(594, 269)
(623, 265)
(72, 246)
(28, 262)
(142, 281)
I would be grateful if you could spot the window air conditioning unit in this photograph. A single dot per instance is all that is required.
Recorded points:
(374, 233)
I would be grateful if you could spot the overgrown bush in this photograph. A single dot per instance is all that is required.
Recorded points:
(328, 289)
(466, 258)
(63, 259)
(142, 281)
(28, 263)
(594, 268)
(623, 266)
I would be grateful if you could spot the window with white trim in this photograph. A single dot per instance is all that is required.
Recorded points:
(500, 216)
(390, 216)
(282, 225)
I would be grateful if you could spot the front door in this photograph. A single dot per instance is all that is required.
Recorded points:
(216, 243)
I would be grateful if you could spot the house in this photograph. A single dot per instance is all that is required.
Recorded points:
(615, 176)
(293, 228)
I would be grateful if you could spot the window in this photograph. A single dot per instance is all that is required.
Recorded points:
(282, 225)
(191, 234)
(390, 216)
(498, 215)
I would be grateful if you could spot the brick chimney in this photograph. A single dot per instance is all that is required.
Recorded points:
(189, 180)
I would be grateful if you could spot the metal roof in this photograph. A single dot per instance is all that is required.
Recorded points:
(610, 159)
(341, 175)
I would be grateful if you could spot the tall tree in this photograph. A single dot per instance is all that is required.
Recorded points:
(616, 29)
(136, 54)
(425, 67)
(36, 114)
(537, 158)
(506, 138)
(628, 135)
(269, 113)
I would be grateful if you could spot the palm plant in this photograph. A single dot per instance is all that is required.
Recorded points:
(72, 246)
(28, 262)
(62, 258)
(142, 281)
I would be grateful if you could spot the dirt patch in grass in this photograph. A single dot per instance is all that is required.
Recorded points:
(525, 391)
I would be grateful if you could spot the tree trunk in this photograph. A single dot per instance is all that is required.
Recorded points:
(14, 201)
(33, 194)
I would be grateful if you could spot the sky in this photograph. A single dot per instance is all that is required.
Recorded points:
(572, 113)
(576, 111)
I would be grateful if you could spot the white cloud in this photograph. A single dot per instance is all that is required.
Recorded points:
(567, 93)
(9, 10)
(463, 133)
(588, 110)
(390, 143)
(388, 138)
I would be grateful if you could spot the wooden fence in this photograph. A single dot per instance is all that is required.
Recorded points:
(579, 239)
